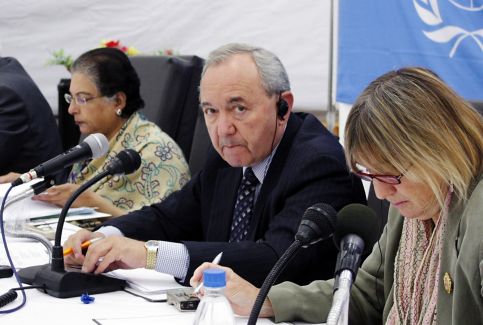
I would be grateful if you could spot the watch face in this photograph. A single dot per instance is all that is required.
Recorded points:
(151, 244)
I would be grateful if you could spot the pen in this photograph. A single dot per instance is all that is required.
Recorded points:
(216, 260)
(84, 245)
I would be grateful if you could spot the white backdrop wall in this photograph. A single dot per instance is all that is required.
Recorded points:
(297, 31)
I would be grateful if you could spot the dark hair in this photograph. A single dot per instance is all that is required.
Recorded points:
(111, 72)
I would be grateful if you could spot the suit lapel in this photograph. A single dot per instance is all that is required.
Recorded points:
(228, 181)
(273, 177)
(221, 214)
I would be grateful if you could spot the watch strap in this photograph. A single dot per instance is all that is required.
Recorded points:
(152, 254)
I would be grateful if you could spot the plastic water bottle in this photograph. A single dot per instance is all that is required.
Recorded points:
(214, 308)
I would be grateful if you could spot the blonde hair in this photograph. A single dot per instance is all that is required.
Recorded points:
(410, 119)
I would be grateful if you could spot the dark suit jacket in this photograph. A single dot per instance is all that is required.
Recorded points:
(308, 168)
(28, 132)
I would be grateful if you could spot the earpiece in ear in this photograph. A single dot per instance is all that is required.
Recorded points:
(282, 108)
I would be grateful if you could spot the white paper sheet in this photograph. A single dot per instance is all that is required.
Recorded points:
(147, 281)
(178, 319)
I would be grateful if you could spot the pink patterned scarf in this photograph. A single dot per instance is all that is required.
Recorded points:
(416, 270)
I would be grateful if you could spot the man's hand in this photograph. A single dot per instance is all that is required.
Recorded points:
(105, 255)
(74, 241)
(113, 253)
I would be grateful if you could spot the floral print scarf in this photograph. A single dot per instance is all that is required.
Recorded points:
(163, 167)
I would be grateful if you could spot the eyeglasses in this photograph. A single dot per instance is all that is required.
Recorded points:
(78, 99)
(388, 179)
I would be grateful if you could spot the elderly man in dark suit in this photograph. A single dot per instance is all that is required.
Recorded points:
(28, 132)
(267, 167)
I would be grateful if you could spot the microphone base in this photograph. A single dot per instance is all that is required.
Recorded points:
(68, 283)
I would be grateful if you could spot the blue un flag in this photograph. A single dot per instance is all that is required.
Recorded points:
(376, 36)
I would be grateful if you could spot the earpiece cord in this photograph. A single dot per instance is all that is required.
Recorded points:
(272, 153)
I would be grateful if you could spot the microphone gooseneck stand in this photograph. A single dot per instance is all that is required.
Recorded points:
(62, 283)
(57, 250)
(338, 314)
(318, 223)
(270, 279)
(351, 250)
(354, 236)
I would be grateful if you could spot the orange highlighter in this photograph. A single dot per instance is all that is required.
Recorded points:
(84, 245)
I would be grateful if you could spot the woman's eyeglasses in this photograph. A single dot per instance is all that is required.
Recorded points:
(388, 179)
(78, 99)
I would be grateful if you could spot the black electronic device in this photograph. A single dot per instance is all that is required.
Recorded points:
(54, 278)
(282, 108)
(183, 299)
(5, 271)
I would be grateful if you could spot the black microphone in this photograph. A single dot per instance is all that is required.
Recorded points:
(126, 162)
(94, 146)
(355, 234)
(54, 279)
(318, 223)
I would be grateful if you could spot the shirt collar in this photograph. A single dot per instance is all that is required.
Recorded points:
(260, 169)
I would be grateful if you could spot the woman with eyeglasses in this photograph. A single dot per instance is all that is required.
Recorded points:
(104, 98)
(421, 146)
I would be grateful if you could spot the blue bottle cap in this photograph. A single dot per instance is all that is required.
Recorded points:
(214, 278)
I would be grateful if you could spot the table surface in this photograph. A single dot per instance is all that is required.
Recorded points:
(111, 308)
(117, 307)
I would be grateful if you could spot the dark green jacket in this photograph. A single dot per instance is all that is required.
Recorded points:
(462, 259)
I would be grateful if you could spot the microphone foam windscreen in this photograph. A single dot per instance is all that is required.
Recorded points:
(98, 144)
(130, 160)
(323, 215)
(357, 219)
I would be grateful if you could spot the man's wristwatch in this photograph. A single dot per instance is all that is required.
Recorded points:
(152, 253)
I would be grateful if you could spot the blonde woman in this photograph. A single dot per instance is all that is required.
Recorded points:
(421, 146)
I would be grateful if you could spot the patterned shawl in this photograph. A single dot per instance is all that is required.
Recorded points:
(163, 167)
(416, 271)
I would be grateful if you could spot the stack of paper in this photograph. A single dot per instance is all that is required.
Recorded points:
(147, 283)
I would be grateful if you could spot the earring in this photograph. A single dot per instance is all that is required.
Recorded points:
(119, 112)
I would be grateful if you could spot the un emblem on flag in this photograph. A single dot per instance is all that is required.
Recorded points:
(429, 12)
